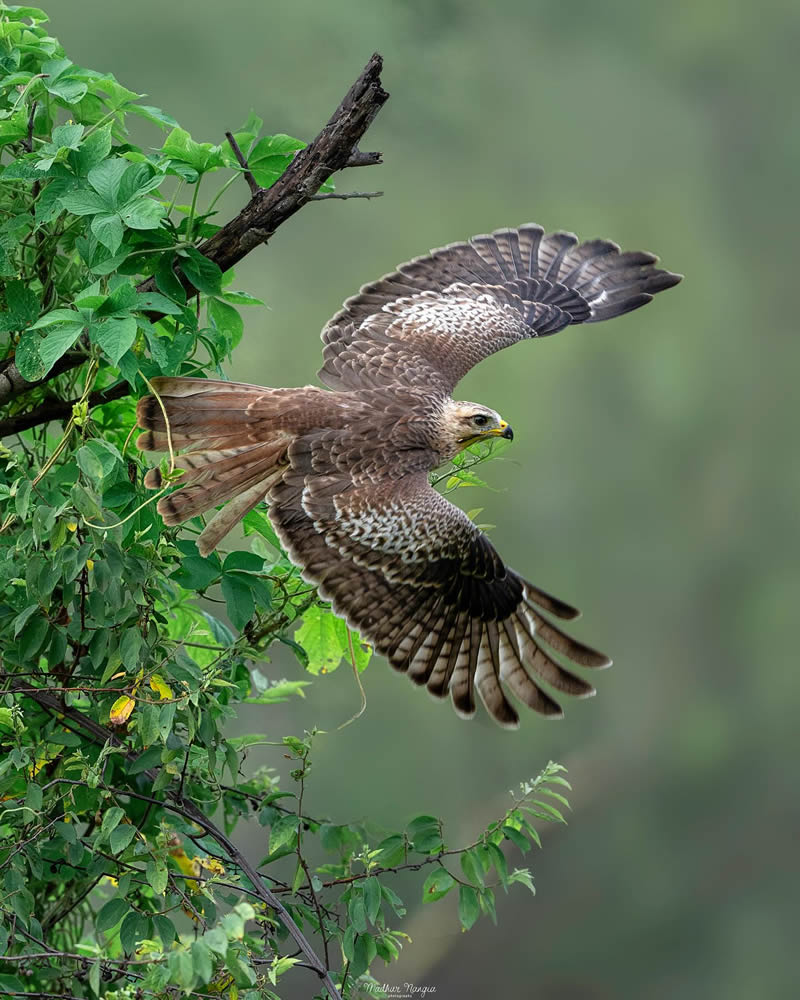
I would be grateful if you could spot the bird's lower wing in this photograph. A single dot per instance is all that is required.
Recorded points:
(420, 582)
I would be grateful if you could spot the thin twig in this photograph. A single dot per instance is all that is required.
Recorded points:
(345, 195)
(252, 183)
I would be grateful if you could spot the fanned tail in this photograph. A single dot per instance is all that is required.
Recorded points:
(235, 452)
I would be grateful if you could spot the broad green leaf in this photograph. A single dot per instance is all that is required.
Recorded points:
(48, 349)
(84, 202)
(468, 906)
(372, 898)
(324, 638)
(94, 148)
(107, 227)
(282, 833)
(106, 178)
(111, 819)
(115, 335)
(516, 837)
(203, 273)
(111, 914)
(121, 837)
(202, 156)
(143, 213)
(437, 885)
(239, 599)
(226, 319)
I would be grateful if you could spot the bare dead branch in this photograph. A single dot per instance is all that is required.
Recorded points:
(345, 195)
(333, 149)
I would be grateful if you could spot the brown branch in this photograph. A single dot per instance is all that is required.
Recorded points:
(333, 149)
(59, 409)
(252, 183)
(186, 808)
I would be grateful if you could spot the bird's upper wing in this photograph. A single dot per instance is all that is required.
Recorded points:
(437, 316)
(419, 581)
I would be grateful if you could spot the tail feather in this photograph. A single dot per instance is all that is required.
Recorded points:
(235, 452)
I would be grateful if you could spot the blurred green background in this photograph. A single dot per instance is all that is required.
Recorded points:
(653, 479)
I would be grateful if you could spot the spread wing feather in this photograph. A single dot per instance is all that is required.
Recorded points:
(424, 585)
(437, 316)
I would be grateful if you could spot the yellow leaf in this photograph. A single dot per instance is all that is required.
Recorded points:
(160, 686)
(189, 866)
(72, 525)
(121, 710)
(90, 564)
(213, 866)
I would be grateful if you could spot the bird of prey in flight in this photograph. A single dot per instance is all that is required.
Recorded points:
(346, 472)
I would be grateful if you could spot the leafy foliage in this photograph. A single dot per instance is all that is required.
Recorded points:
(118, 684)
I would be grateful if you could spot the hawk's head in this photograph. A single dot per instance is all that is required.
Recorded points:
(465, 423)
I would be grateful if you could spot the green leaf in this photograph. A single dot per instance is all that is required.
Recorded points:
(111, 819)
(121, 837)
(83, 202)
(468, 906)
(94, 978)
(131, 649)
(167, 281)
(283, 833)
(202, 962)
(144, 213)
(203, 273)
(22, 306)
(241, 299)
(324, 638)
(516, 837)
(133, 929)
(149, 758)
(256, 522)
(372, 898)
(94, 148)
(245, 561)
(179, 145)
(41, 353)
(471, 868)
(279, 691)
(106, 178)
(111, 914)
(357, 912)
(217, 940)
(107, 227)
(437, 885)
(115, 336)
(196, 572)
(153, 302)
(239, 599)
(165, 929)
(226, 319)
(28, 359)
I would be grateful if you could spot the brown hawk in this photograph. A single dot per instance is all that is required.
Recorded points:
(346, 472)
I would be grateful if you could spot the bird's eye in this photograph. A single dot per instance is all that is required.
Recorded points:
(480, 420)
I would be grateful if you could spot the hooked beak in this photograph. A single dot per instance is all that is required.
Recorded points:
(505, 431)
